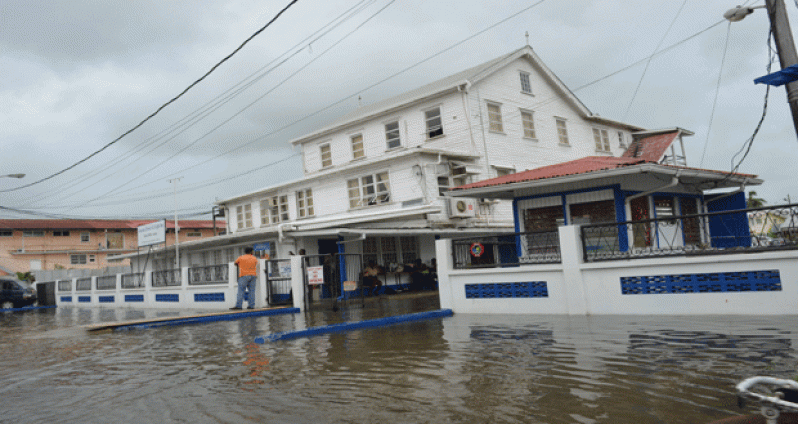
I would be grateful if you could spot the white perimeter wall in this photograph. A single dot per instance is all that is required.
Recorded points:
(577, 288)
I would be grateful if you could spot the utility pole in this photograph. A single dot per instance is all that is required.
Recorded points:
(785, 46)
(177, 227)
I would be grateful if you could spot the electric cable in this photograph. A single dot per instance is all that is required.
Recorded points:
(213, 68)
(717, 91)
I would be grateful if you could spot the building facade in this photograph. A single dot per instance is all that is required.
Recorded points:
(46, 244)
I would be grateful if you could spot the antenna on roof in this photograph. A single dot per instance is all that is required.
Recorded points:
(359, 101)
(526, 34)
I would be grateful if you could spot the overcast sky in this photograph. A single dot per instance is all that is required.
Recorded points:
(78, 74)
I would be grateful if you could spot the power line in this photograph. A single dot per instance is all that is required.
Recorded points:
(717, 91)
(213, 68)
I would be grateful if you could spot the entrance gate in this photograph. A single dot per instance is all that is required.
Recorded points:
(278, 282)
(334, 277)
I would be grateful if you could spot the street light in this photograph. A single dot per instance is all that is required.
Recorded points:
(782, 35)
(13, 176)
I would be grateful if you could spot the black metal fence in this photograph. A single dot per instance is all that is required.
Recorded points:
(278, 282)
(211, 274)
(106, 282)
(166, 278)
(742, 230)
(133, 280)
(504, 250)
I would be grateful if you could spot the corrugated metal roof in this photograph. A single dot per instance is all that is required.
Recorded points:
(98, 224)
(579, 166)
(651, 148)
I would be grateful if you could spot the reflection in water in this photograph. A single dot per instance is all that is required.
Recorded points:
(471, 369)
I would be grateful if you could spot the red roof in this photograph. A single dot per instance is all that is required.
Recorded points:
(574, 167)
(650, 148)
(98, 224)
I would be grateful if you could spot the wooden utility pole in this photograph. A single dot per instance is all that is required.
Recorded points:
(785, 46)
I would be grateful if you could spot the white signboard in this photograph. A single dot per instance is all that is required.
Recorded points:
(315, 275)
(150, 234)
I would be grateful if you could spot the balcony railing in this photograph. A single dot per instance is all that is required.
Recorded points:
(742, 230)
(212, 274)
(166, 278)
(106, 282)
(133, 281)
(503, 250)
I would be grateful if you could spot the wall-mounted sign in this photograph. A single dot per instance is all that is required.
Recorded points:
(262, 247)
(154, 233)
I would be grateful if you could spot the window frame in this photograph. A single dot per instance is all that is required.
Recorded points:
(244, 216)
(601, 138)
(428, 130)
(358, 146)
(275, 210)
(78, 259)
(61, 233)
(193, 233)
(358, 190)
(495, 123)
(531, 129)
(526, 83)
(33, 233)
(325, 155)
(406, 249)
(389, 140)
(6, 233)
(85, 237)
(562, 131)
(304, 204)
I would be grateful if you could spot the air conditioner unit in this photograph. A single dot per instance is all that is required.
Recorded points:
(462, 208)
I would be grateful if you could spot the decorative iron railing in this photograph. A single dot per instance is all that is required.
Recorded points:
(735, 231)
(133, 280)
(83, 284)
(212, 274)
(510, 249)
(166, 278)
(106, 282)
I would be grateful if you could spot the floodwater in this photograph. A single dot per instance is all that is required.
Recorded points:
(463, 369)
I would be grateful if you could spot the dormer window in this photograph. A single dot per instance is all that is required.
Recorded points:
(526, 87)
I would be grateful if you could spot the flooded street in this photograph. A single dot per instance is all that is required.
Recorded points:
(463, 369)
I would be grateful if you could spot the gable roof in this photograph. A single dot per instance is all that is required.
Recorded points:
(652, 145)
(450, 83)
(593, 167)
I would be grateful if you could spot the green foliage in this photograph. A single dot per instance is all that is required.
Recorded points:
(753, 201)
(26, 276)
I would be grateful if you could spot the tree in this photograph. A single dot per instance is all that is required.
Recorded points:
(753, 201)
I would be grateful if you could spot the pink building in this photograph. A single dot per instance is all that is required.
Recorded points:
(39, 244)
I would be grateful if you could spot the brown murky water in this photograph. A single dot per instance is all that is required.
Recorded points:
(463, 369)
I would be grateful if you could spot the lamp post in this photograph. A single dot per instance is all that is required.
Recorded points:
(785, 46)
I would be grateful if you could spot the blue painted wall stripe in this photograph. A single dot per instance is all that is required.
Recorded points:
(28, 308)
(349, 326)
(206, 319)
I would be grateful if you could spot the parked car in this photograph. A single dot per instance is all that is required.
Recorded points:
(15, 293)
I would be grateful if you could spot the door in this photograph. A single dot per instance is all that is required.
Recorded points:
(641, 232)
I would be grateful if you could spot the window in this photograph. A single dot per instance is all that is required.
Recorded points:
(92, 259)
(390, 250)
(84, 237)
(621, 141)
(602, 140)
(457, 177)
(274, 210)
(369, 190)
(6, 233)
(562, 131)
(77, 259)
(326, 155)
(526, 87)
(244, 216)
(60, 233)
(495, 117)
(33, 233)
(193, 234)
(664, 207)
(432, 118)
(528, 124)
(392, 139)
(357, 146)
(502, 171)
(304, 203)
